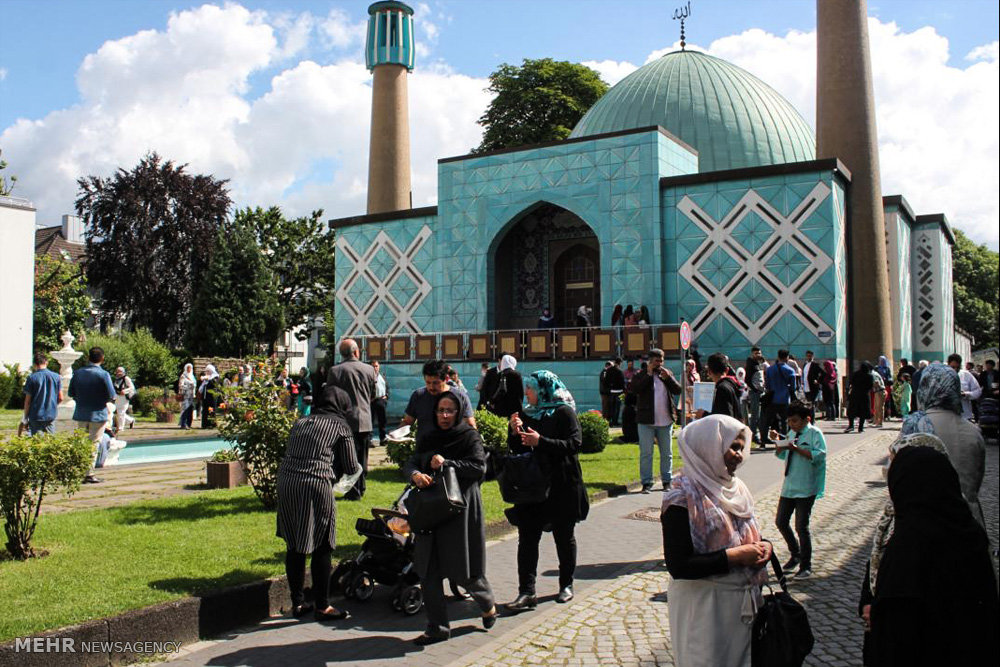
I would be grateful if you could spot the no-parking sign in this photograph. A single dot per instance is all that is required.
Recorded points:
(685, 335)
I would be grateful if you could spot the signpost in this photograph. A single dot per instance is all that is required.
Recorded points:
(685, 344)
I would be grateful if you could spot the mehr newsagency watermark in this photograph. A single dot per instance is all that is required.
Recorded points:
(71, 645)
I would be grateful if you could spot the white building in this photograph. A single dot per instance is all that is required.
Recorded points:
(17, 295)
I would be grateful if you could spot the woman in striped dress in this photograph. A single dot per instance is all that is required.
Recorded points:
(320, 451)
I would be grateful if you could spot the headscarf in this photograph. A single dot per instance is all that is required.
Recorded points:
(692, 372)
(940, 388)
(188, 373)
(616, 316)
(438, 439)
(551, 393)
(507, 361)
(720, 507)
(209, 375)
(741, 375)
(334, 402)
(884, 529)
(831, 372)
(938, 552)
(703, 444)
(120, 369)
(644, 314)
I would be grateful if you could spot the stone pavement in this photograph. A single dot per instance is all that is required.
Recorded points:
(620, 614)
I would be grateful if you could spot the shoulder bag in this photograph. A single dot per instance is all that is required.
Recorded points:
(428, 508)
(781, 636)
(522, 480)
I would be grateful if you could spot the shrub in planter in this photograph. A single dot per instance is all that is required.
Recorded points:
(224, 470)
(30, 467)
(257, 426)
(144, 399)
(595, 431)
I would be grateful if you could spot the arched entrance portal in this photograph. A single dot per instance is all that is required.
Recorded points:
(550, 258)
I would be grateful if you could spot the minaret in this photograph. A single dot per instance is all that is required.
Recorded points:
(389, 54)
(845, 129)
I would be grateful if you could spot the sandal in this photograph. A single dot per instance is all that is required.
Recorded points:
(337, 615)
(300, 610)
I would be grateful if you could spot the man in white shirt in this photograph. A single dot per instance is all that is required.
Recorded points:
(971, 391)
(379, 402)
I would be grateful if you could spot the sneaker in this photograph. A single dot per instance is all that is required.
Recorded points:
(565, 595)
(792, 563)
(92, 479)
(646, 488)
(803, 573)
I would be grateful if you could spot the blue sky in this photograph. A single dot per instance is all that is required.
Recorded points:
(88, 85)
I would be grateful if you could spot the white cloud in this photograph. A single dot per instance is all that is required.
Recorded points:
(986, 52)
(303, 142)
(937, 123)
(3, 73)
(183, 92)
(611, 71)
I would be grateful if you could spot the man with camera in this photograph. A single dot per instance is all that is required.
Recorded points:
(656, 412)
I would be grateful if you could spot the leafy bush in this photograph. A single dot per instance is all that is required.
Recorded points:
(144, 398)
(154, 362)
(166, 408)
(257, 424)
(30, 467)
(116, 353)
(493, 429)
(399, 451)
(595, 431)
(12, 381)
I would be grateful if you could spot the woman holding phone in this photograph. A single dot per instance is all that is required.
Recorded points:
(550, 429)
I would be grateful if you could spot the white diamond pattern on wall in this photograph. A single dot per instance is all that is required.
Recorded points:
(925, 290)
(771, 273)
(384, 288)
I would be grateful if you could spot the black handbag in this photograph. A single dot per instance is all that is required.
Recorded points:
(781, 636)
(522, 480)
(428, 508)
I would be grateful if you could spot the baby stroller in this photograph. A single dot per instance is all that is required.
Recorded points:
(989, 418)
(386, 557)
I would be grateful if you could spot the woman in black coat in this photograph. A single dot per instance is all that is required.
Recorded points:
(552, 431)
(935, 599)
(456, 549)
(320, 451)
(859, 404)
(508, 392)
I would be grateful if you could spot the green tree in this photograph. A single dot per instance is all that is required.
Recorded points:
(237, 308)
(61, 300)
(299, 252)
(150, 233)
(976, 277)
(542, 100)
(6, 182)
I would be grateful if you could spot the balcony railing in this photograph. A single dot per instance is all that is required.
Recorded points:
(570, 343)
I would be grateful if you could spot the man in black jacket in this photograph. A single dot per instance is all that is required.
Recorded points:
(727, 392)
(656, 413)
(615, 380)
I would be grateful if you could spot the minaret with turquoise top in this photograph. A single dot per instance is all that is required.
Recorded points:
(389, 55)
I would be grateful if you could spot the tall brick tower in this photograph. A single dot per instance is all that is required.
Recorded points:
(389, 55)
(845, 128)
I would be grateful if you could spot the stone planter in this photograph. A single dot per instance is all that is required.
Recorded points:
(225, 475)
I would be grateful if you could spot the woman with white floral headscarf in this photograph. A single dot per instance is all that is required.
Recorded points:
(713, 546)
(186, 386)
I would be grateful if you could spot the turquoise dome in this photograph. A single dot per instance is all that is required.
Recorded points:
(732, 118)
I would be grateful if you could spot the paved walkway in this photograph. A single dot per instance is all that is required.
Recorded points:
(619, 615)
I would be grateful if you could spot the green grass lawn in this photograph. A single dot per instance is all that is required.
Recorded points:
(9, 419)
(106, 561)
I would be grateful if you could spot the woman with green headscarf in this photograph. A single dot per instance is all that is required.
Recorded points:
(548, 428)
(304, 390)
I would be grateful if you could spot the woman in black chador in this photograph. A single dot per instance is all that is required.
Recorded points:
(456, 549)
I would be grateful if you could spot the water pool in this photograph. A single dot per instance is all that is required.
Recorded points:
(170, 450)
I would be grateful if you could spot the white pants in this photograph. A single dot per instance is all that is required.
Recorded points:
(121, 412)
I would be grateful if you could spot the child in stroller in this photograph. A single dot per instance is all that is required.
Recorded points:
(386, 557)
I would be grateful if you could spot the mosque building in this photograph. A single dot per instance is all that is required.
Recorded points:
(692, 188)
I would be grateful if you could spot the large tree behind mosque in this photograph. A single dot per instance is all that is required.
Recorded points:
(300, 254)
(540, 101)
(236, 310)
(150, 234)
(976, 274)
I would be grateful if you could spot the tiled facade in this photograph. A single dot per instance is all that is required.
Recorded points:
(752, 256)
